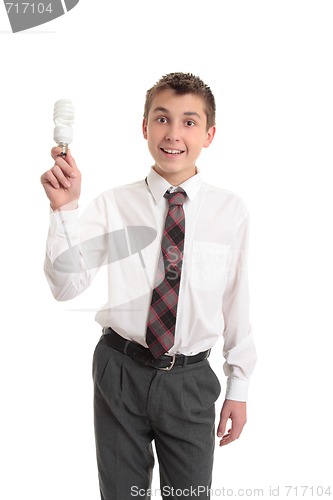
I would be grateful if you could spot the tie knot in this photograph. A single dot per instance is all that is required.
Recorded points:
(175, 198)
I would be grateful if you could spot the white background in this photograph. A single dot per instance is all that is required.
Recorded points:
(269, 64)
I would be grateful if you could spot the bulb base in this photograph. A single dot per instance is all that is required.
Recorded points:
(64, 148)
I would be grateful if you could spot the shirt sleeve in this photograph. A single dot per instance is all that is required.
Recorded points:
(76, 248)
(239, 350)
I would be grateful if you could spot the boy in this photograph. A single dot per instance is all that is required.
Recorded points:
(176, 252)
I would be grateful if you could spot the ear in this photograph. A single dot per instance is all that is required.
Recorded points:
(144, 128)
(210, 136)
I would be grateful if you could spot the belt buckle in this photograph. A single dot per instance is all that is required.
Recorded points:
(167, 368)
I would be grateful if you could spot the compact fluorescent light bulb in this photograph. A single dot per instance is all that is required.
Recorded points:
(63, 117)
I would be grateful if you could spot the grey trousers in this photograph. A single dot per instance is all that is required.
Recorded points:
(134, 405)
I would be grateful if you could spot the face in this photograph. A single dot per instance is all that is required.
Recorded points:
(176, 131)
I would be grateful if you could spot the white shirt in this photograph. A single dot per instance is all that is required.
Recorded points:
(123, 229)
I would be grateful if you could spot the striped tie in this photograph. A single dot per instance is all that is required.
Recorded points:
(163, 310)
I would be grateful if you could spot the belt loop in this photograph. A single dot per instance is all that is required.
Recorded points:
(185, 361)
(126, 346)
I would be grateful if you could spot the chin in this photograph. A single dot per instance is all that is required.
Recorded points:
(169, 170)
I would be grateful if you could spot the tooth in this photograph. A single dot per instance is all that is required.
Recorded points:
(172, 151)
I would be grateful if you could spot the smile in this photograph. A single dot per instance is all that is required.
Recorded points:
(172, 151)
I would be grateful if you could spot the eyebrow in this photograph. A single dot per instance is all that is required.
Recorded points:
(186, 113)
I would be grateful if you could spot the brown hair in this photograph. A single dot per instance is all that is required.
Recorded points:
(184, 83)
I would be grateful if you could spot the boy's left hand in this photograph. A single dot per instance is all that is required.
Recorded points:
(236, 411)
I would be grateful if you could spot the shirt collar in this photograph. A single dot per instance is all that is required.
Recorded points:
(158, 185)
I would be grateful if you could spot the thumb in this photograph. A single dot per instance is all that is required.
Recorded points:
(222, 424)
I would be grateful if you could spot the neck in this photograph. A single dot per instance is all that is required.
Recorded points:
(177, 178)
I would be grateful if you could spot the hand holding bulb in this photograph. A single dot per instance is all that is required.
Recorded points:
(62, 183)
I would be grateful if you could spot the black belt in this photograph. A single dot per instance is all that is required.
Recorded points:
(144, 356)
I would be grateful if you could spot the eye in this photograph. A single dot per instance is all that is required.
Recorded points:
(190, 123)
(161, 119)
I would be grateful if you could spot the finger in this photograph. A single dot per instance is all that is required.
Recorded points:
(226, 436)
(71, 161)
(62, 161)
(232, 434)
(60, 176)
(49, 178)
(55, 152)
(222, 425)
(65, 166)
(227, 439)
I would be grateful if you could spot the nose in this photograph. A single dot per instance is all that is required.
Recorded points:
(172, 134)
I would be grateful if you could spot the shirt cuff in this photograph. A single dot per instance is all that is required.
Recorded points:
(237, 389)
(72, 205)
(64, 221)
